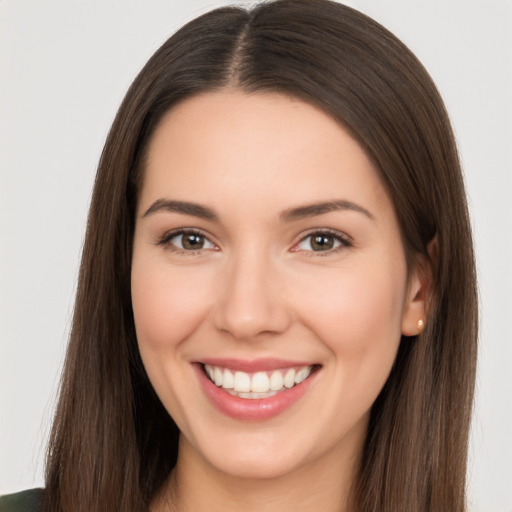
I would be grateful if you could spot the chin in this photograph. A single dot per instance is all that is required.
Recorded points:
(259, 455)
(257, 466)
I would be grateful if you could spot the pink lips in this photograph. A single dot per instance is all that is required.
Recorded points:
(256, 365)
(252, 409)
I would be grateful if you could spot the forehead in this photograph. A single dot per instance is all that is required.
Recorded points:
(239, 147)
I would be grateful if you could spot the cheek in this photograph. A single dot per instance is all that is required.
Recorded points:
(357, 318)
(168, 304)
(357, 314)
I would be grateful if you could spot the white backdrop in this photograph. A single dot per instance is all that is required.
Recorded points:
(64, 68)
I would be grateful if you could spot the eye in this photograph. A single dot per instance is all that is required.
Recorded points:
(322, 241)
(186, 241)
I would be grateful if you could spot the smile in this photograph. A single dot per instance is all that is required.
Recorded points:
(256, 385)
(255, 390)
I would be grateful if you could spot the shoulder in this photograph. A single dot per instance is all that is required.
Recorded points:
(30, 500)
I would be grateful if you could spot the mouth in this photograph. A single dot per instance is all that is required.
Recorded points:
(257, 385)
(257, 390)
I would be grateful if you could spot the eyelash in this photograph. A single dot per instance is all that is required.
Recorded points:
(343, 240)
(165, 241)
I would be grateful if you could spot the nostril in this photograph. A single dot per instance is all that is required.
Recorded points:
(250, 321)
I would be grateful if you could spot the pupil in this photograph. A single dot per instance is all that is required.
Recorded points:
(192, 241)
(322, 242)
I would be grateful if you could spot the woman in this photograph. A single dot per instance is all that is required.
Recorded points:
(273, 309)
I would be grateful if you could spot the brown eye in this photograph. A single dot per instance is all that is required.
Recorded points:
(192, 241)
(187, 241)
(322, 242)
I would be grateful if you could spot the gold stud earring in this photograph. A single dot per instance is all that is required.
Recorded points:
(421, 324)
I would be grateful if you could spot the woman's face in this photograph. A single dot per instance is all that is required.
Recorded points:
(267, 258)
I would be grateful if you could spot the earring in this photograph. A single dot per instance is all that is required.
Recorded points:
(421, 325)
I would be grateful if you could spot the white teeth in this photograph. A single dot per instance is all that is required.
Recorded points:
(228, 381)
(276, 381)
(260, 384)
(289, 378)
(217, 376)
(242, 382)
(302, 374)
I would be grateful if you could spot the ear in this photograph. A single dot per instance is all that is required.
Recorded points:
(419, 292)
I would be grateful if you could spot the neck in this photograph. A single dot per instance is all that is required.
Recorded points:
(196, 486)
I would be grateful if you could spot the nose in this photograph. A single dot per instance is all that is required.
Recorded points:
(251, 299)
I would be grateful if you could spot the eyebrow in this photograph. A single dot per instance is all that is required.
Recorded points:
(183, 207)
(311, 210)
(290, 215)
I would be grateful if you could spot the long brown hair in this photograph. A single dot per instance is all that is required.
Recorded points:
(113, 444)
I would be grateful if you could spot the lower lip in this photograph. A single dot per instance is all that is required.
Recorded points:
(252, 409)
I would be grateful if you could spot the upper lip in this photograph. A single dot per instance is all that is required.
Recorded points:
(254, 365)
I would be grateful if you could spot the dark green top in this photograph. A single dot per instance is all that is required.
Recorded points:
(24, 501)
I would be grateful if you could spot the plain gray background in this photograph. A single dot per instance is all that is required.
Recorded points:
(64, 68)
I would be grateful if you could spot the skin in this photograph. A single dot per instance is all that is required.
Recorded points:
(258, 289)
